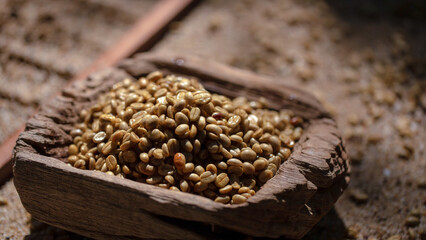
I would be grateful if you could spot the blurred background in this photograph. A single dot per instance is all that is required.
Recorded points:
(364, 60)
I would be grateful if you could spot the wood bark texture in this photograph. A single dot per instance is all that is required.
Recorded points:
(97, 205)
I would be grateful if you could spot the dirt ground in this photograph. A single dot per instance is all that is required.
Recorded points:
(364, 60)
(43, 44)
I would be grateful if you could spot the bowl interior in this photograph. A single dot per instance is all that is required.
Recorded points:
(60, 152)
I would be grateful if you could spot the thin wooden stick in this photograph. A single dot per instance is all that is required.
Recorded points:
(140, 35)
(138, 38)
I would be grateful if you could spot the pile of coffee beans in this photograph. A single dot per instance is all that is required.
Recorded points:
(170, 132)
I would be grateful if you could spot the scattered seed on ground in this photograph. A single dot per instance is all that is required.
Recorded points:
(3, 201)
(358, 195)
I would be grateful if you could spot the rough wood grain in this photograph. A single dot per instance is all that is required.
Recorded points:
(100, 206)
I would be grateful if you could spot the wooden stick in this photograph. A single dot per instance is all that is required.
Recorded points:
(6, 154)
(140, 35)
(138, 38)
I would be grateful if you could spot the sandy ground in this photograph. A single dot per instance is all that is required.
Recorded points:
(363, 61)
(44, 43)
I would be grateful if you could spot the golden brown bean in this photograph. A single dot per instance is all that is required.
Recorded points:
(154, 76)
(246, 195)
(160, 93)
(199, 170)
(237, 198)
(243, 190)
(201, 124)
(234, 162)
(154, 179)
(111, 162)
(125, 145)
(276, 160)
(258, 133)
(170, 179)
(184, 186)
(104, 168)
(84, 149)
(146, 169)
(202, 97)
(134, 138)
(156, 135)
(226, 189)
(248, 154)
(72, 159)
(189, 97)
(117, 136)
(173, 146)
(285, 153)
(99, 163)
(193, 131)
(214, 129)
(222, 199)
(144, 157)
(212, 168)
(80, 163)
(170, 123)
(197, 146)
(207, 177)
(256, 147)
(275, 143)
(193, 177)
(248, 168)
(213, 147)
(181, 118)
(76, 132)
(224, 140)
(165, 150)
(200, 187)
(221, 180)
(248, 136)
(272, 167)
(158, 153)
(195, 114)
(260, 164)
(265, 175)
(236, 138)
(187, 145)
(222, 165)
(189, 167)
(151, 122)
(179, 105)
(234, 121)
(267, 148)
(72, 149)
(126, 169)
(181, 129)
(92, 163)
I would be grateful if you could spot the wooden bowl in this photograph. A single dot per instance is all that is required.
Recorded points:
(96, 205)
